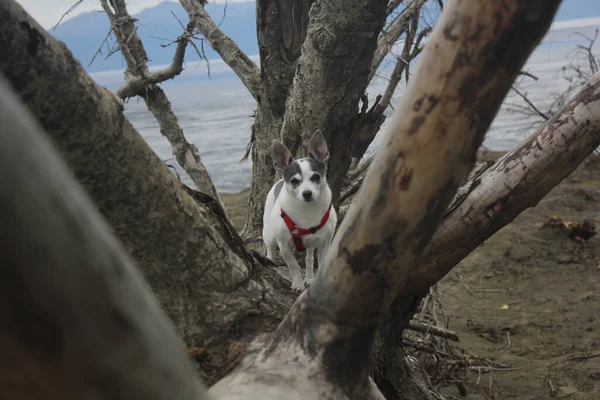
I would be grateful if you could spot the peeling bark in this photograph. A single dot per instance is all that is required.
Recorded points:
(187, 262)
(78, 321)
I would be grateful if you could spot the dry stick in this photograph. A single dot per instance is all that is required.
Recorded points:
(583, 356)
(233, 56)
(432, 329)
(530, 104)
(323, 346)
(78, 320)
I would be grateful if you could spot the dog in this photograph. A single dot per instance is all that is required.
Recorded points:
(298, 210)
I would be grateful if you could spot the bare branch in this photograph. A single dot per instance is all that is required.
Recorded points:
(529, 74)
(390, 36)
(70, 10)
(136, 85)
(434, 330)
(74, 307)
(393, 5)
(530, 103)
(233, 56)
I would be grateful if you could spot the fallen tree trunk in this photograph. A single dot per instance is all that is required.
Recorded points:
(78, 320)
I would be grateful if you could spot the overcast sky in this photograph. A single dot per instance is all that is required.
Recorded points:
(48, 12)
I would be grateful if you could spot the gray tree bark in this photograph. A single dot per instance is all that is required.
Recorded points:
(78, 320)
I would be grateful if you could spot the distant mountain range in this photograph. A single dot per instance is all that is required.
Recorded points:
(84, 33)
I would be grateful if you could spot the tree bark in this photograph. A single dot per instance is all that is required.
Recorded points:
(186, 258)
(331, 78)
(78, 321)
(281, 29)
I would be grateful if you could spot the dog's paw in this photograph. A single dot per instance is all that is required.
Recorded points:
(298, 287)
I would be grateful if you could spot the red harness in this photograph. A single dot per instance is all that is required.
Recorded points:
(298, 232)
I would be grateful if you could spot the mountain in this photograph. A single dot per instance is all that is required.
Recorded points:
(84, 33)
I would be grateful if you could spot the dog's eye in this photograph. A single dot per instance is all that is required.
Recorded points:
(315, 178)
(294, 181)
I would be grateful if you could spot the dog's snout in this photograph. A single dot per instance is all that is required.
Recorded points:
(307, 194)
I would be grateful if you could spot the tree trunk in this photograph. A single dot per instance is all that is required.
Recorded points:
(186, 258)
(281, 30)
(331, 78)
(78, 321)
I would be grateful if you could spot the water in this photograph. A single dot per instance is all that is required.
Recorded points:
(216, 113)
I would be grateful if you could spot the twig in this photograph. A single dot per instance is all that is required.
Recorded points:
(529, 74)
(552, 389)
(462, 280)
(432, 329)
(485, 370)
(509, 342)
(580, 357)
(533, 107)
(70, 10)
(99, 51)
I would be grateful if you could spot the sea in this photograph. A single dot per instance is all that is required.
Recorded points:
(215, 110)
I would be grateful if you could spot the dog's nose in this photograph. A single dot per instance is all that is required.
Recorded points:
(307, 194)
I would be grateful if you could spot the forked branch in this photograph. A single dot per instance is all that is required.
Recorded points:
(136, 85)
(229, 51)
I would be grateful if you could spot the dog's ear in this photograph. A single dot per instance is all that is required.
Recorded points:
(282, 157)
(318, 147)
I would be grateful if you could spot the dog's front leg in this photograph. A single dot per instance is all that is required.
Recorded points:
(292, 263)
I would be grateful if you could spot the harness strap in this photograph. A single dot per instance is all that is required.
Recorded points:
(298, 232)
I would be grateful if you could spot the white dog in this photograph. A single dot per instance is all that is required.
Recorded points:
(298, 210)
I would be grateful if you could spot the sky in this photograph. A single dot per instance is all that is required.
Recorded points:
(48, 12)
